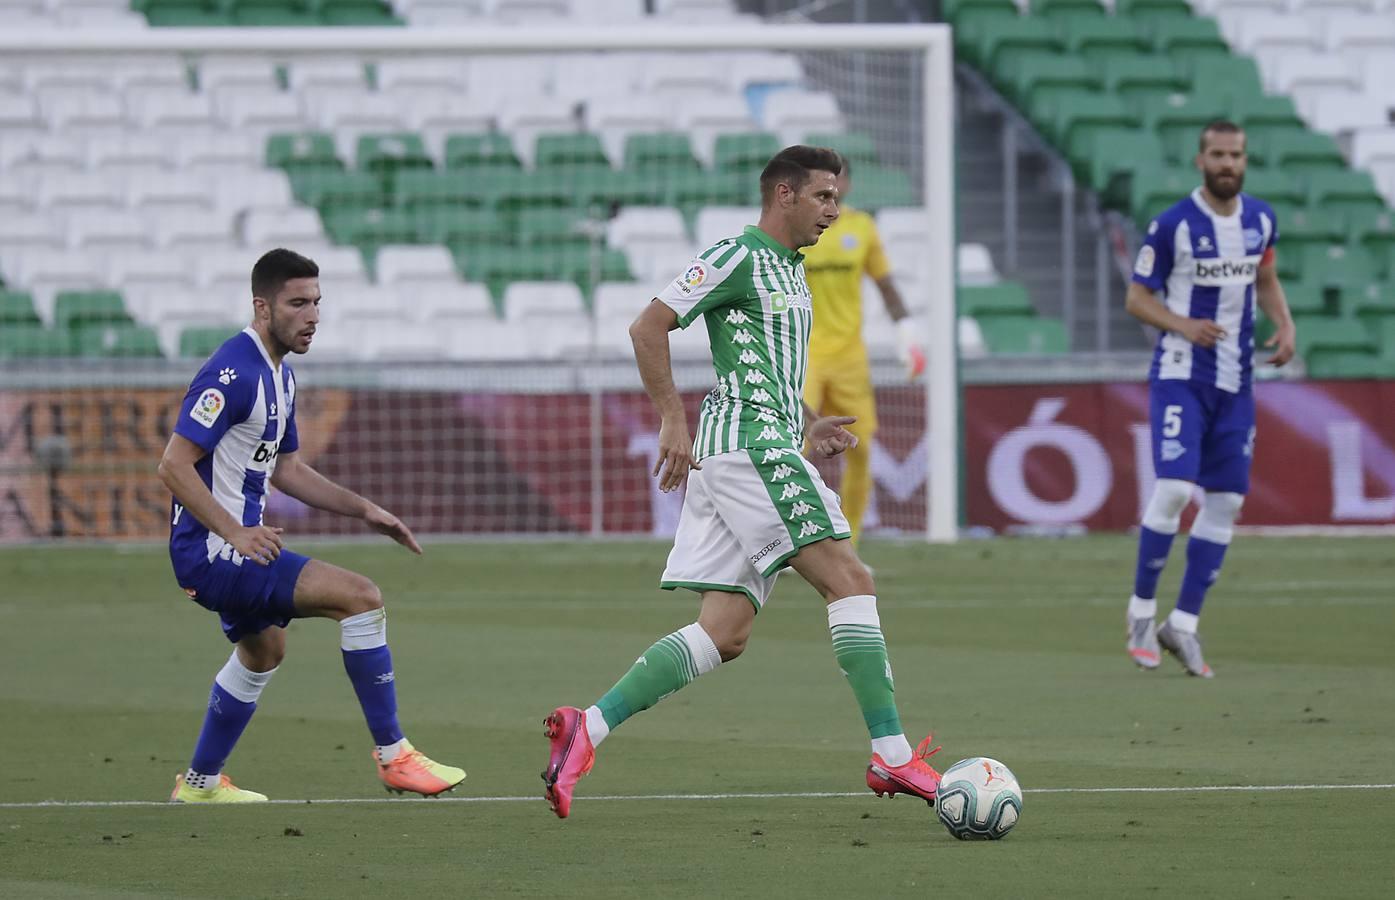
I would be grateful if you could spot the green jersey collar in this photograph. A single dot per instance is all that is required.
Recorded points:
(793, 257)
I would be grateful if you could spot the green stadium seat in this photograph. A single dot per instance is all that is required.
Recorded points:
(498, 267)
(386, 154)
(306, 149)
(1374, 304)
(1006, 298)
(185, 14)
(957, 12)
(1091, 36)
(1304, 152)
(1338, 267)
(1142, 79)
(558, 226)
(332, 189)
(1351, 365)
(461, 227)
(361, 13)
(1261, 138)
(1153, 192)
(1056, 9)
(200, 342)
(369, 229)
(1306, 298)
(875, 187)
(1028, 74)
(1188, 38)
(1235, 76)
(17, 308)
(1265, 111)
(73, 309)
(746, 152)
(641, 188)
(530, 190)
(1321, 338)
(660, 150)
(29, 341)
(1022, 335)
(464, 151)
(420, 189)
(1113, 158)
(1183, 114)
(723, 188)
(569, 150)
(1309, 227)
(1149, 10)
(1011, 36)
(1345, 190)
(268, 14)
(1089, 111)
(857, 146)
(117, 340)
(1274, 187)
(1374, 229)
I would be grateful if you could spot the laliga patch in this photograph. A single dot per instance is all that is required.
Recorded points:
(1146, 257)
(208, 407)
(692, 279)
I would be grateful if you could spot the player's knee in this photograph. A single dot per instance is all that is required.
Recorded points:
(365, 597)
(261, 659)
(1216, 521)
(1164, 512)
(730, 646)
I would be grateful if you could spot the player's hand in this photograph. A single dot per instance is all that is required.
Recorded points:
(384, 522)
(828, 436)
(1203, 332)
(259, 543)
(1285, 340)
(675, 455)
(908, 349)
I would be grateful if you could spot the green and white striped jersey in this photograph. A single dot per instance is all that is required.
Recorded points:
(752, 292)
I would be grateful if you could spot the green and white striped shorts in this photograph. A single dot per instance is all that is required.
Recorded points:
(746, 513)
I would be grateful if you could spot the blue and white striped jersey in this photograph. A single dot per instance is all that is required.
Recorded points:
(1205, 265)
(241, 411)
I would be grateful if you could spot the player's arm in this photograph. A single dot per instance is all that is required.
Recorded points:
(828, 436)
(1269, 294)
(176, 470)
(649, 334)
(1145, 306)
(299, 479)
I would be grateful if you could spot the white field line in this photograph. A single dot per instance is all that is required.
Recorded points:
(804, 795)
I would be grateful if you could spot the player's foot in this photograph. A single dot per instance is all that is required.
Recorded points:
(915, 777)
(1187, 648)
(572, 756)
(1143, 642)
(412, 770)
(223, 792)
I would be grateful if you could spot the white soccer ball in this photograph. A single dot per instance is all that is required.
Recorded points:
(979, 799)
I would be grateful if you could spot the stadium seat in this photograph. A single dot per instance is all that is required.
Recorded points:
(715, 223)
(1306, 298)
(1345, 191)
(296, 151)
(762, 70)
(387, 155)
(984, 41)
(74, 309)
(744, 153)
(569, 150)
(975, 265)
(1089, 111)
(1151, 10)
(1026, 75)
(535, 300)
(17, 308)
(438, 304)
(117, 340)
(32, 229)
(403, 265)
(1310, 226)
(1337, 267)
(663, 150)
(488, 341)
(1113, 158)
(793, 113)
(1374, 229)
(27, 341)
(857, 146)
(461, 227)
(487, 149)
(1297, 152)
(1098, 37)
(1274, 186)
(199, 342)
(1007, 298)
(1022, 335)
(369, 229)
(958, 12)
(1236, 76)
(177, 193)
(1321, 339)
(1142, 79)
(335, 190)
(201, 151)
(1373, 304)
(1059, 9)
(1154, 191)
(1188, 40)
(271, 227)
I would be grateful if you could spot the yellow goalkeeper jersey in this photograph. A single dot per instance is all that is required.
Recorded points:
(834, 268)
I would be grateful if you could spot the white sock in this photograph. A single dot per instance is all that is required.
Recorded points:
(201, 780)
(1183, 621)
(365, 631)
(242, 682)
(1142, 609)
(894, 749)
(596, 728)
(388, 752)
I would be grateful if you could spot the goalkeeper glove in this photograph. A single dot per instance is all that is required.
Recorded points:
(908, 347)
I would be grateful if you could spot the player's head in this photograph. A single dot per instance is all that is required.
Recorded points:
(1221, 158)
(799, 189)
(286, 300)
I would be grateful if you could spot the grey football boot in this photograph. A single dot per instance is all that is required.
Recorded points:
(1143, 642)
(1187, 648)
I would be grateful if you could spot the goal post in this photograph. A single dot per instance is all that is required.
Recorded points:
(839, 55)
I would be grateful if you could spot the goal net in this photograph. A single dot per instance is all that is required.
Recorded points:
(489, 208)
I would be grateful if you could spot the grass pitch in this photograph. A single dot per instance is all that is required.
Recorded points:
(1012, 649)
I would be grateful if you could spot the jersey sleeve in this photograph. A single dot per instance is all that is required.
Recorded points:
(290, 441)
(709, 282)
(1154, 263)
(877, 266)
(212, 406)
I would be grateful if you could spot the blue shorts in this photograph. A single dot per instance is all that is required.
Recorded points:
(1202, 434)
(249, 597)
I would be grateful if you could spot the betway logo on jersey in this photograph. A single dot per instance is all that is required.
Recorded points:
(1239, 270)
(265, 456)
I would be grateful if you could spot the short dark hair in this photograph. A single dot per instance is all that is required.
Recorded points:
(792, 166)
(276, 267)
(1218, 126)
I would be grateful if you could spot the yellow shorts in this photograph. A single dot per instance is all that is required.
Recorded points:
(843, 388)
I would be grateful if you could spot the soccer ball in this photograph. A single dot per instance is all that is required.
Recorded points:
(979, 799)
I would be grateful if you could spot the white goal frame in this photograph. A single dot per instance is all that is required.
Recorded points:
(932, 42)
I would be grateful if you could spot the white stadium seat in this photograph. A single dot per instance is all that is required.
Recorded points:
(148, 265)
(586, 76)
(795, 113)
(363, 303)
(342, 263)
(257, 189)
(754, 67)
(488, 340)
(415, 73)
(218, 72)
(687, 74)
(171, 110)
(82, 110)
(171, 194)
(527, 300)
(717, 222)
(229, 268)
(18, 112)
(131, 151)
(1359, 33)
(703, 118)
(1373, 147)
(315, 73)
(619, 301)
(439, 305)
(108, 232)
(656, 263)
(45, 272)
(395, 342)
(16, 193)
(435, 117)
(641, 223)
(34, 156)
(1339, 111)
(259, 109)
(348, 110)
(511, 11)
(975, 265)
(31, 230)
(527, 117)
(514, 75)
(266, 228)
(416, 265)
(191, 235)
(85, 189)
(427, 13)
(218, 150)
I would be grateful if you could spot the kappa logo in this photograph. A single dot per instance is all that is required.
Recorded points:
(791, 491)
(754, 376)
(737, 317)
(766, 550)
(227, 376)
(1171, 449)
(761, 395)
(765, 415)
(782, 472)
(769, 433)
(809, 529)
(800, 509)
(774, 453)
(743, 337)
(749, 357)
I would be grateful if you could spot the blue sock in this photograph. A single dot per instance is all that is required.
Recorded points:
(372, 677)
(1153, 548)
(227, 716)
(1204, 560)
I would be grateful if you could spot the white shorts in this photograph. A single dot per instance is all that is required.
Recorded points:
(747, 512)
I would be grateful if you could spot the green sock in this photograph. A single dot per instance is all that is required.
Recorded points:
(861, 651)
(664, 668)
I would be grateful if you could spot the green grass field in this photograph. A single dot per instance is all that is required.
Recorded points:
(1012, 649)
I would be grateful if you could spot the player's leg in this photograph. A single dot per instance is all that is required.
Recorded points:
(1178, 420)
(231, 702)
(354, 601)
(1225, 476)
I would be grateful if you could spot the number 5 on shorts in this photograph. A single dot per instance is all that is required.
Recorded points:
(1172, 421)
